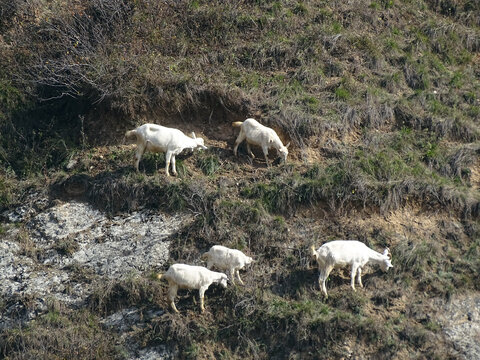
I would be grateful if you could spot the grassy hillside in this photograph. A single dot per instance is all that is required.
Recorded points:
(380, 100)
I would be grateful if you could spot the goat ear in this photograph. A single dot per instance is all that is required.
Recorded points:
(287, 145)
(193, 135)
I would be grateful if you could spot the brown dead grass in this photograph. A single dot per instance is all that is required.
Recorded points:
(475, 175)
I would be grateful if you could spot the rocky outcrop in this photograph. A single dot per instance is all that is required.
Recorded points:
(125, 244)
(45, 248)
(460, 321)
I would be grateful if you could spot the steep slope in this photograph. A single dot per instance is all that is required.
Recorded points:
(381, 103)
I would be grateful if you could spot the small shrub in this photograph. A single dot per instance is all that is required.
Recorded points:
(27, 245)
(209, 164)
(336, 27)
(415, 335)
(430, 150)
(182, 169)
(457, 79)
(176, 196)
(417, 76)
(7, 191)
(66, 246)
(342, 93)
(312, 103)
(300, 8)
(153, 163)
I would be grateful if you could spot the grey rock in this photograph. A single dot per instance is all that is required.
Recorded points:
(160, 352)
(70, 239)
(71, 164)
(126, 319)
(116, 247)
(460, 319)
(127, 322)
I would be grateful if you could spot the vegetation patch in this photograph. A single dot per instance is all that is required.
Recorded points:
(379, 100)
(58, 334)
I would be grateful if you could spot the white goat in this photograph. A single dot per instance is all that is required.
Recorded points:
(227, 259)
(258, 134)
(156, 138)
(339, 253)
(191, 277)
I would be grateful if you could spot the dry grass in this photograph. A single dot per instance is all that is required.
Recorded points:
(379, 101)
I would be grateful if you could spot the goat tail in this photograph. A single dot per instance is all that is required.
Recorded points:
(313, 251)
(131, 134)
(237, 123)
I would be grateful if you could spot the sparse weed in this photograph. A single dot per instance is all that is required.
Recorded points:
(342, 93)
(175, 196)
(152, 162)
(457, 79)
(66, 246)
(7, 191)
(417, 76)
(209, 164)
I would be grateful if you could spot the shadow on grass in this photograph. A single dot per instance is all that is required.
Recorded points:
(113, 191)
(294, 283)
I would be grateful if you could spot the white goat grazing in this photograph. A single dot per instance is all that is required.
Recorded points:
(191, 277)
(341, 253)
(227, 259)
(156, 138)
(257, 134)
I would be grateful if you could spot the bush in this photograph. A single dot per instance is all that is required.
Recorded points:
(209, 164)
